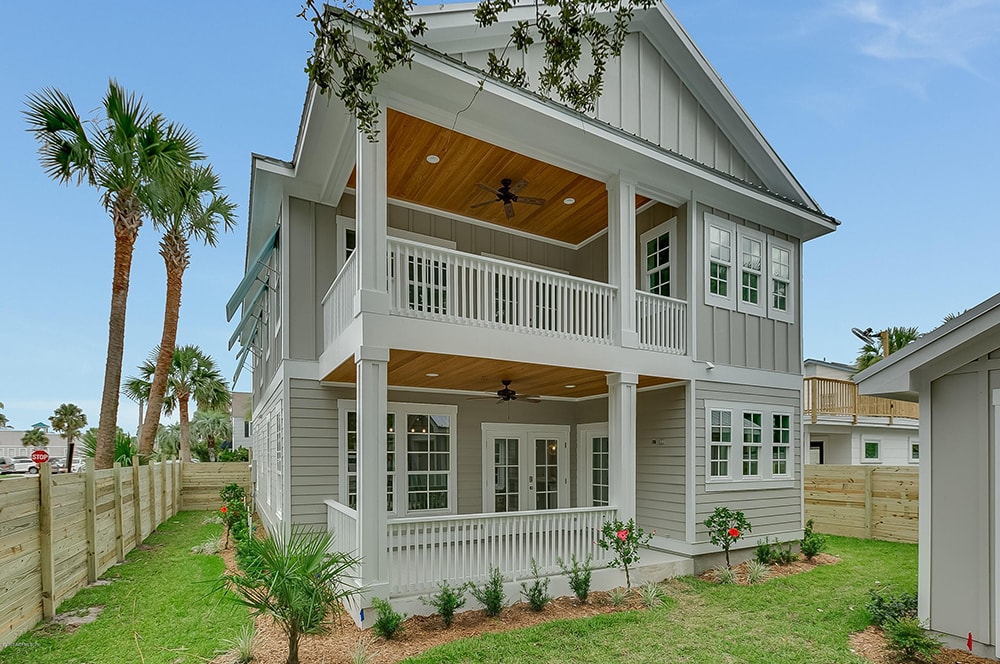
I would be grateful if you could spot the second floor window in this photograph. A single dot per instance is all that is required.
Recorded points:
(720, 260)
(658, 255)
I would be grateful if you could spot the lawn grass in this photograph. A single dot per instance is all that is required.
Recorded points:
(805, 618)
(157, 609)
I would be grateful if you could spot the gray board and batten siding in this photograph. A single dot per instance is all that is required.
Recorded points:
(661, 468)
(644, 96)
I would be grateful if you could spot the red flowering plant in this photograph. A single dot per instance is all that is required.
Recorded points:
(234, 512)
(624, 540)
(725, 527)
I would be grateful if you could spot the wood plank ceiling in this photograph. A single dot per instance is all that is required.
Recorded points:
(450, 184)
(474, 374)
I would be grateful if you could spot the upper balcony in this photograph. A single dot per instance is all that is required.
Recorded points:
(840, 398)
(435, 283)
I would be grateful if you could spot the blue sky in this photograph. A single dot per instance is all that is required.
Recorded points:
(885, 110)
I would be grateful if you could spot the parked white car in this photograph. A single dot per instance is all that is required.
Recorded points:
(25, 465)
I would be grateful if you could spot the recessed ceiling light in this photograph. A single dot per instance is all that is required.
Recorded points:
(433, 159)
(569, 201)
(432, 375)
(569, 387)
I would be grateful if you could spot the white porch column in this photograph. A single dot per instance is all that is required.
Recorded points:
(372, 368)
(621, 432)
(370, 223)
(621, 257)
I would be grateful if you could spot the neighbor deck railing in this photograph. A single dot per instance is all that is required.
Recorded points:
(425, 551)
(661, 323)
(443, 284)
(834, 396)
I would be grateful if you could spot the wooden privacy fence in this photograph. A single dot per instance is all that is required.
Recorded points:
(60, 532)
(872, 502)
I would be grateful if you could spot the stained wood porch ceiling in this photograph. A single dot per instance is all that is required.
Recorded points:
(450, 184)
(476, 374)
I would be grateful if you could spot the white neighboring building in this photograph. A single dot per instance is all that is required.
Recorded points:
(844, 428)
(10, 444)
(240, 412)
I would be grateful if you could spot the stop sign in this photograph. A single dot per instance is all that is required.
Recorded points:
(39, 456)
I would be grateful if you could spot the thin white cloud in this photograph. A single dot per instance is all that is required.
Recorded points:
(942, 31)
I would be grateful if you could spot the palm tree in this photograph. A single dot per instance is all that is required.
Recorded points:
(191, 208)
(193, 374)
(34, 438)
(125, 447)
(873, 351)
(3, 418)
(168, 439)
(68, 421)
(123, 154)
(212, 426)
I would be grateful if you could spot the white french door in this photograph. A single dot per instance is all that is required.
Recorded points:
(525, 467)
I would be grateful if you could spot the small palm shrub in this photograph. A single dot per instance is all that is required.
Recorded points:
(389, 620)
(651, 594)
(491, 594)
(537, 594)
(446, 601)
(812, 542)
(756, 571)
(579, 575)
(907, 639)
(295, 579)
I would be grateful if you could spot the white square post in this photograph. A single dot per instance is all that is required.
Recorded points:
(621, 432)
(372, 407)
(371, 204)
(621, 257)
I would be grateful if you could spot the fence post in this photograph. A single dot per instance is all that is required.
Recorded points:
(869, 471)
(90, 496)
(178, 483)
(136, 503)
(45, 540)
(163, 488)
(119, 517)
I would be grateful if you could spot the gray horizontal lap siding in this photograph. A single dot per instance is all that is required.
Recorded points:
(313, 427)
(660, 469)
(768, 510)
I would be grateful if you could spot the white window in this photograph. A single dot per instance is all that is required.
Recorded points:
(781, 281)
(748, 446)
(279, 446)
(752, 297)
(914, 451)
(658, 258)
(420, 476)
(594, 464)
(871, 450)
(720, 241)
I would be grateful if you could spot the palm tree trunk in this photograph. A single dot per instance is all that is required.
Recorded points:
(293, 645)
(185, 425)
(175, 260)
(127, 220)
(210, 442)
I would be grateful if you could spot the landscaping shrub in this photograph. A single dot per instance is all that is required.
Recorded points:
(617, 596)
(389, 620)
(885, 606)
(774, 553)
(537, 594)
(579, 576)
(446, 601)
(812, 542)
(491, 594)
(624, 540)
(651, 594)
(907, 639)
(239, 454)
(725, 527)
(241, 646)
(724, 574)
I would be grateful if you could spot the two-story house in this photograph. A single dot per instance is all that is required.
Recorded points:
(646, 297)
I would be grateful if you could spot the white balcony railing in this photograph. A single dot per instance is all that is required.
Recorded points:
(442, 284)
(425, 551)
(338, 303)
(661, 323)
(342, 521)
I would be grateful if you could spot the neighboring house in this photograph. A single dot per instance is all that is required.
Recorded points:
(954, 373)
(845, 428)
(11, 445)
(653, 304)
(240, 411)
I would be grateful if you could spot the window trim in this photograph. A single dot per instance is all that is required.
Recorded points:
(766, 479)
(760, 308)
(864, 443)
(400, 410)
(788, 314)
(910, 443)
(668, 228)
(729, 300)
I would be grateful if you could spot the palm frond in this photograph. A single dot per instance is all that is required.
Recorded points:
(64, 147)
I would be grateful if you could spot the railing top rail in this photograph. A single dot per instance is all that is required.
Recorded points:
(846, 381)
(347, 264)
(655, 296)
(499, 261)
(498, 515)
(342, 508)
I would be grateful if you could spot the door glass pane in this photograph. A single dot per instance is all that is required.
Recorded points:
(600, 461)
(546, 474)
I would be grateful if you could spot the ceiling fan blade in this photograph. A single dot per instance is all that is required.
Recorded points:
(518, 186)
(483, 397)
(531, 200)
(495, 200)
(531, 399)
(488, 188)
(508, 209)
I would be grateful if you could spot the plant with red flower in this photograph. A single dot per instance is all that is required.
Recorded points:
(624, 540)
(725, 527)
(223, 509)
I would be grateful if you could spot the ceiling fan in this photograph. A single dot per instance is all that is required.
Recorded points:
(507, 194)
(507, 394)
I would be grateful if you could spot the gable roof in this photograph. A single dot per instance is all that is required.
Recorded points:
(950, 346)
(451, 29)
